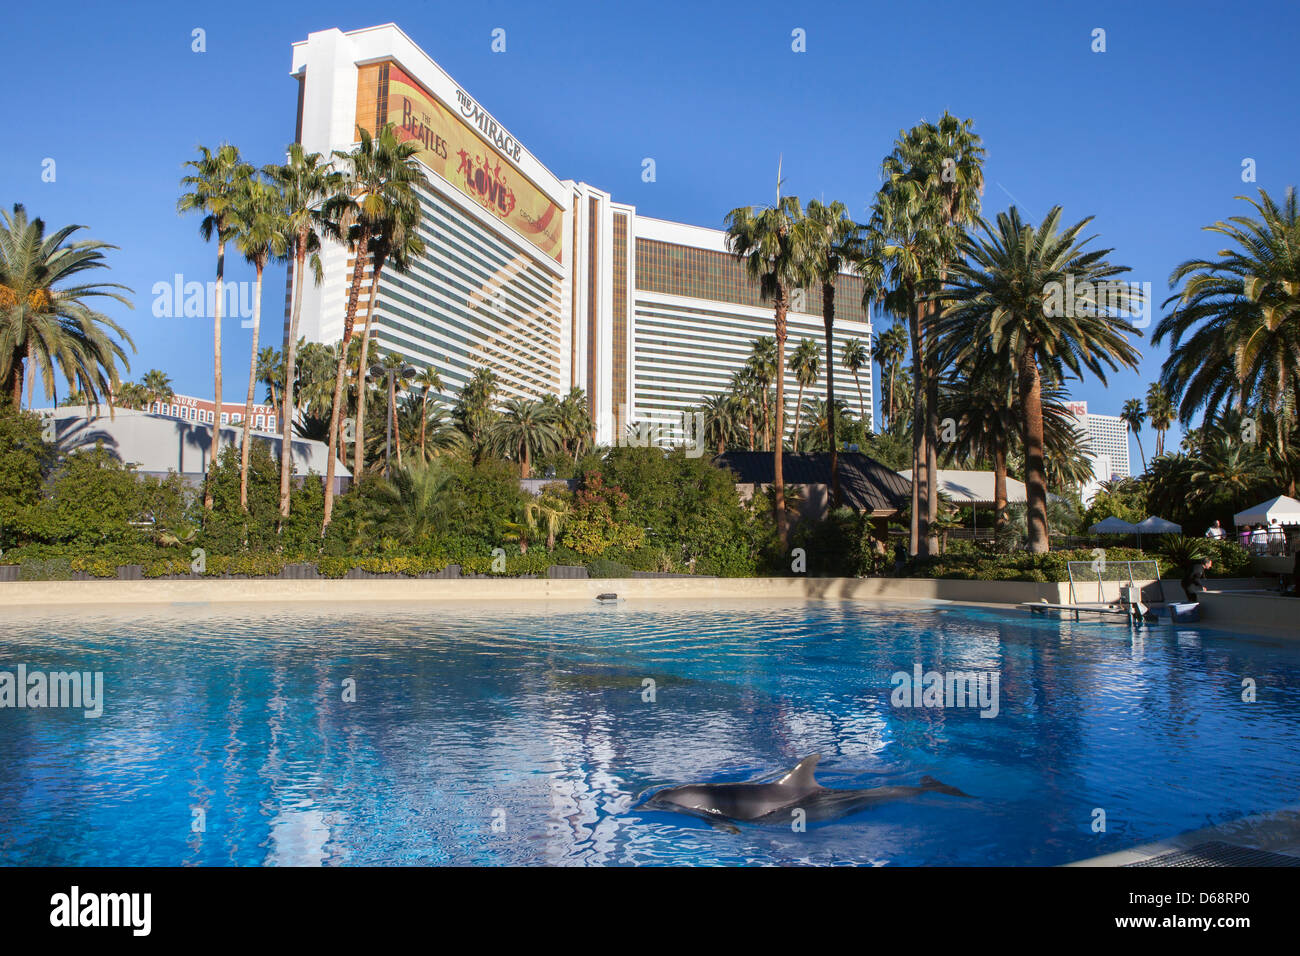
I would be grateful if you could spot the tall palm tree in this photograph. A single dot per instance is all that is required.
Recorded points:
(526, 430)
(777, 258)
(856, 357)
(933, 180)
(474, 411)
(805, 362)
(395, 243)
(891, 349)
(1160, 412)
(50, 322)
(129, 395)
(1134, 417)
(1234, 332)
(306, 181)
(214, 188)
(260, 231)
(743, 394)
(575, 423)
(1000, 299)
(835, 241)
(377, 193)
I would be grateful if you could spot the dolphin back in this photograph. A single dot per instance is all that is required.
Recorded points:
(929, 783)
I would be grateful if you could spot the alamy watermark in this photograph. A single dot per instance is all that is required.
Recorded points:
(1108, 297)
(21, 688)
(178, 299)
(946, 689)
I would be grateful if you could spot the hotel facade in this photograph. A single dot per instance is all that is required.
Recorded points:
(551, 283)
(1107, 445)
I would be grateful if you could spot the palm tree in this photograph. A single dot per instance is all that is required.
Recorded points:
(427, 381)
(1228, 470)
(525, 430)
(305, 182)
(412, 504)
(214, 189)
(743, 393)
(157, 387)
(1160, 411)
(549, 511)
(777, 258)
(805, 362)
(761, 366)
(891, 349)
(1001, 299)
(49, 322)
(474, 412)
(856, 357)
(1133, 416)
(815, 419)
(1235, 328)
(395, 243)
(377, 196)
(835, 241)
(721, 420)
(933, 180)
(575, 423)
(130, 395)
(261, 234)
(270, 372)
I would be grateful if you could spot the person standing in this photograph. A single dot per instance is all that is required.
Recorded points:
(1215, 531)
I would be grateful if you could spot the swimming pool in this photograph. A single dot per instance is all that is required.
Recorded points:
(523, 734)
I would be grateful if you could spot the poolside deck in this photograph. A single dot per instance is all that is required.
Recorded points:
(1265, 839)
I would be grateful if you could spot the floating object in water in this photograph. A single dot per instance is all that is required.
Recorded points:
(609, 597)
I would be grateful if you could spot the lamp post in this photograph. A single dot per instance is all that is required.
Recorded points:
(378, 371)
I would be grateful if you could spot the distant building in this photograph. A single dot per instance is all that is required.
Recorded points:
(550, 283)
(157, 444)
(1107, 445)
(191, 409)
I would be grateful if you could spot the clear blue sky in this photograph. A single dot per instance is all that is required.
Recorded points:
(1148, 137)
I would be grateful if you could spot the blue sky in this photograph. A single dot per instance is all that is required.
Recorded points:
(1148, 137)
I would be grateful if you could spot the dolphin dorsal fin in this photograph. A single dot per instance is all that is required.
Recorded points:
(801, 775)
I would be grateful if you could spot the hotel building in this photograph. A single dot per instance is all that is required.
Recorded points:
(551, 283)
(189, 408)
(1107, 444)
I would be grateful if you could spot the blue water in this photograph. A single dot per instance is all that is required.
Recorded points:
(519, 734)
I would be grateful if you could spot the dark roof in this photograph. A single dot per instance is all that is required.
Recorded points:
(865, 484)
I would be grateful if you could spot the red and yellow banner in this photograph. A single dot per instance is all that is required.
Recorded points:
(451, 148)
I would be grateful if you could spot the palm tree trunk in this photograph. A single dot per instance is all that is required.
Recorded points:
(1031, 400)
(862, 402)
(524, 470)
(358, 454)
(832, 433)
(1000, 487)
(424, 419)
(31, 372)
(289, 407)
(798, 414)
(920, 494)
(932, 452)
(1138, 436)
(778, 477)
(15, 382)
(215, 441)
(891, 393)
(349, 320)
(248, 403)
(392, 411)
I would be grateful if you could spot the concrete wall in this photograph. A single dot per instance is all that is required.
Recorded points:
(1233, 611)
(65, 593)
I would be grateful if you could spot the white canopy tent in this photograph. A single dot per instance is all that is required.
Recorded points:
(1285, 510)
(1154, 525)
(1113, 525)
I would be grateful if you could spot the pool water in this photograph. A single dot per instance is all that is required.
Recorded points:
(524, 734)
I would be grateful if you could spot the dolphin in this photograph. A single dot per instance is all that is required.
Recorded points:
(725, 804)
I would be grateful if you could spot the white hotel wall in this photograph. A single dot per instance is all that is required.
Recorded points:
(329, 59)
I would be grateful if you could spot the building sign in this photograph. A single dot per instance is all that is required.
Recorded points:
(457, 152)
